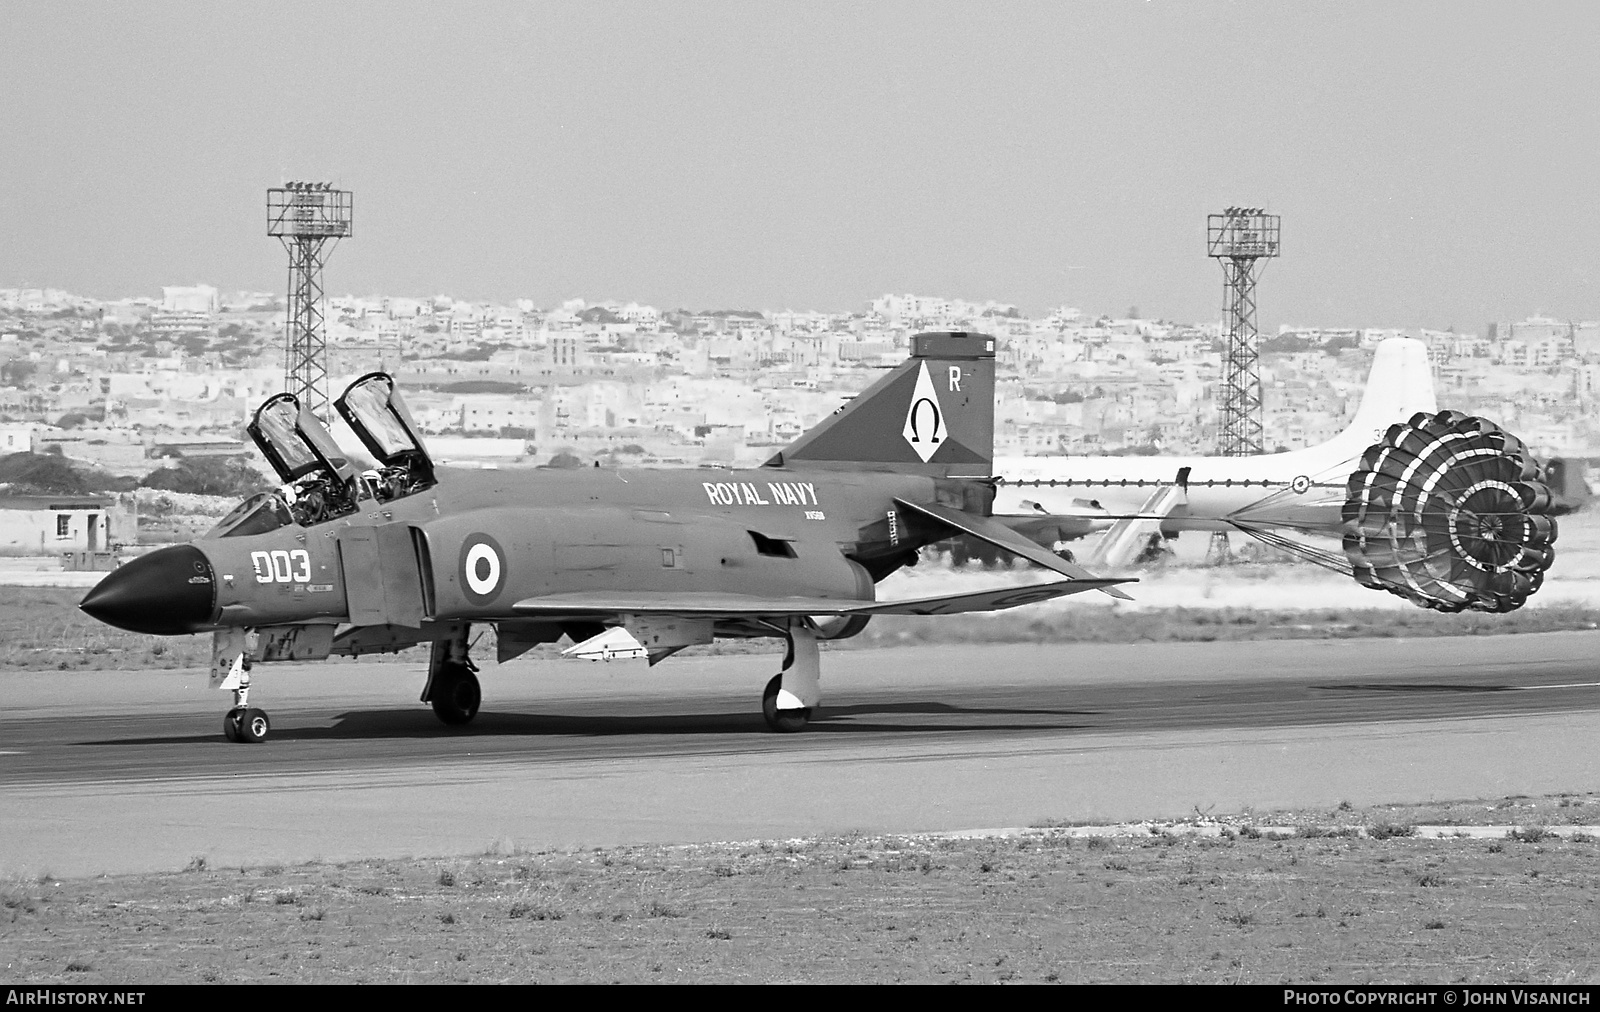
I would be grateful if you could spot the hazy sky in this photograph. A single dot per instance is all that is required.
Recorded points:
(1434, 164)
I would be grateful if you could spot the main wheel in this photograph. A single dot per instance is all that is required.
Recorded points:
(254, 725)
(232, 724)
(456, 695)
(785, 721)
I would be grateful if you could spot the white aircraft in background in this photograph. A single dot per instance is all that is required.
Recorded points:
(1135, 498)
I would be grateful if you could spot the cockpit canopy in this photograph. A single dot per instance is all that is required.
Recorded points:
(319, 482)
(377, 415)
(294, 442)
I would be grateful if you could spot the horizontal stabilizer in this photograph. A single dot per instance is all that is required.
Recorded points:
(998, 534)
(589, 604)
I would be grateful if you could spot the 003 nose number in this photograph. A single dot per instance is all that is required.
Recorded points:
(282, 567)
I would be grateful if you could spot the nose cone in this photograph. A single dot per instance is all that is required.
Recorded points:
(168, 592)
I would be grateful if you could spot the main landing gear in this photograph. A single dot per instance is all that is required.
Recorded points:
(452, 687)
(794, 692)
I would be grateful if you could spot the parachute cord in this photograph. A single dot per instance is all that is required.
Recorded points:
(1318, 556)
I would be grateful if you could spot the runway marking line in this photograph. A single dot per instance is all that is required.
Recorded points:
(1568, 685)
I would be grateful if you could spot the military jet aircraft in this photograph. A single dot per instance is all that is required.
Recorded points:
(348, 562)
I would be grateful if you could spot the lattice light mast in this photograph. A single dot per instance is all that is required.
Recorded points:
(1240, 238)
(306, 218)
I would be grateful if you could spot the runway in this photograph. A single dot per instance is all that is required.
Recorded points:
(116, 771)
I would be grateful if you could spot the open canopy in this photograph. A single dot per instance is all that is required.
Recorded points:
(294, 442)
(377, 415)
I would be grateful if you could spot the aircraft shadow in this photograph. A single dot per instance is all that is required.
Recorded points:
(1412, 687)
(421, 724)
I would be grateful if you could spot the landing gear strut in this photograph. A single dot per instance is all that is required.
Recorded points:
(452, 687)
(795, 691)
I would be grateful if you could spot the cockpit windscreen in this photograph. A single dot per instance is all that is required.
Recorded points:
(262, 512)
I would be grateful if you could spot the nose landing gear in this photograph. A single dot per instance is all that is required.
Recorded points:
(243, 723)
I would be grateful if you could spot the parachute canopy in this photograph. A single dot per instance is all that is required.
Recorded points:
(1450, 512)
(1447, 511)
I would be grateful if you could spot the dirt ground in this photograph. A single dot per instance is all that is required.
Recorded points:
(1353, 897)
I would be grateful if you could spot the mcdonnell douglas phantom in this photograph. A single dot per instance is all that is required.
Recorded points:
(341, 561)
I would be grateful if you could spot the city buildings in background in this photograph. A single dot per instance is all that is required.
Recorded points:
(123, 383)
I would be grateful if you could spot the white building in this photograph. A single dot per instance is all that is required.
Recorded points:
(189, 299)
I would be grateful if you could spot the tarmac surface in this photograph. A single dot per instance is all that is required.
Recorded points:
(111, 772)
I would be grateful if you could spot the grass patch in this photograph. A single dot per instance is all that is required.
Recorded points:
(41, 629)
(1188, 909)
(1107, 625)
(534, 912)
(1390, 830)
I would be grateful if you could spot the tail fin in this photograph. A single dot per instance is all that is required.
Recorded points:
(934, 414)
(1567, 483)
(1399, 386)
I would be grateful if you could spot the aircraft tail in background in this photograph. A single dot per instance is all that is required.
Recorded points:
(933, 414)
(1399, 385)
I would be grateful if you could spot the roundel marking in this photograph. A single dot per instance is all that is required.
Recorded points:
(1301, 484)
(483, 568)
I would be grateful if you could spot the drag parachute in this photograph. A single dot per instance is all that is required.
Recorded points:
(1447, 511)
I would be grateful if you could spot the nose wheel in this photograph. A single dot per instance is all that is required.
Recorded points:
(246, 724)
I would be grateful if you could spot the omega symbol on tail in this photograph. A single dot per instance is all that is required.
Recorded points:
(483, 568)
(925, 429)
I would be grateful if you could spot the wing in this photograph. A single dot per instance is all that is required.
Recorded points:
(587, 604)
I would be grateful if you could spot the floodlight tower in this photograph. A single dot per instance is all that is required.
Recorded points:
(305, 217)
(1240, 238)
